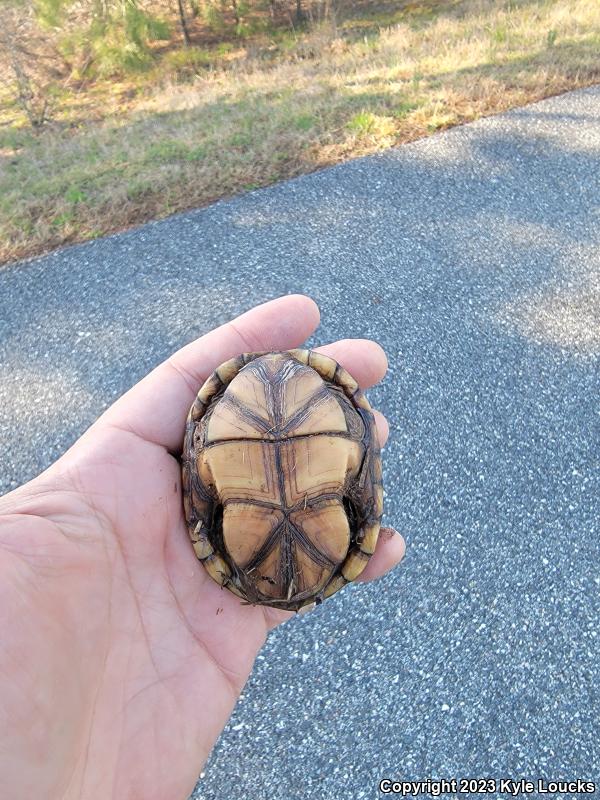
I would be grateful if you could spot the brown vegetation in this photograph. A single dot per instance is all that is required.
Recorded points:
(239, 108)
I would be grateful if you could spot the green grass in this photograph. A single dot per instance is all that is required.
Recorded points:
(208, 122)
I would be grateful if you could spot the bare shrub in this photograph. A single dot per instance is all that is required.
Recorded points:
(31, 62)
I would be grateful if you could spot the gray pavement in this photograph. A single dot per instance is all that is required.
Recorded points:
(474, 258)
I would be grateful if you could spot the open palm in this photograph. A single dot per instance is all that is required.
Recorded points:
(121, 660)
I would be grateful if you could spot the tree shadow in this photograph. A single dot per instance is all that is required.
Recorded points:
(494, 200)
(491, 468)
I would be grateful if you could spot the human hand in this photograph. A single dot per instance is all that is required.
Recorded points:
(121, 660)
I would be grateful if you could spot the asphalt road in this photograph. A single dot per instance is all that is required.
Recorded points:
(474, 258)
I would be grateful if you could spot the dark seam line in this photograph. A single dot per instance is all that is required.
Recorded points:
(314, 401)
(337, 434)
(264, 551)
(245, 413)
(309, 548)
(251, 502)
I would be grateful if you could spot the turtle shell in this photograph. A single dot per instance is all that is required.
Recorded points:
(281, 473)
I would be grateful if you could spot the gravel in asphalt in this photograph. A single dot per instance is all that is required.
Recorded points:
(473, 256)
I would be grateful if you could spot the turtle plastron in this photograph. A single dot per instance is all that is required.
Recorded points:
(281, 474)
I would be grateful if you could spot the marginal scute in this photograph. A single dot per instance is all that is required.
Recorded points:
(229, 370)
(197, 410)
(378, 500)
(324, 365)
(202, 549)
(346, 380)
(337, 583)
(275, 443)
(209, 389)
(354, 565)
(300, 355)
(369, 541)
(360, 399)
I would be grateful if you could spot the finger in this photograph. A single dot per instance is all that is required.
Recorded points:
(275, 616)
(364, 359)
(383, 428)
(155, 408)
(388, 553)
(367, 362)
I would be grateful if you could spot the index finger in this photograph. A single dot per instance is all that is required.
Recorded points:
(155, 408)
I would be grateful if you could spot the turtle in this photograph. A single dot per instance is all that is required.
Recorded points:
(282, 478)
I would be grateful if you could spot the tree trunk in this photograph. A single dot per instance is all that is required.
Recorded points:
(184, 28)
(299, 11)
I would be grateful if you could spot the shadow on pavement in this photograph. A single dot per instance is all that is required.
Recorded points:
(473, 257)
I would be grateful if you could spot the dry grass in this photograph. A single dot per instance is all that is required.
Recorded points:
(120, 154)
